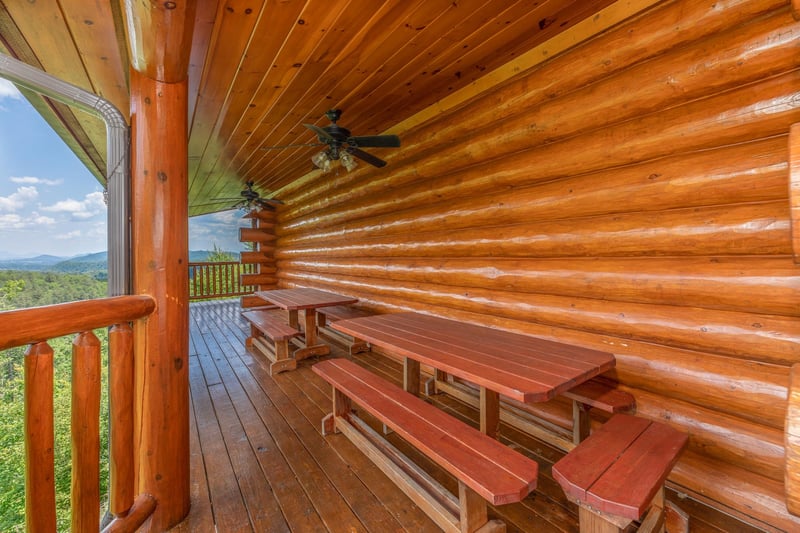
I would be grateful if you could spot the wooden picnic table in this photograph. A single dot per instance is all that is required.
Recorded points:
(521, 367)
(308, 300)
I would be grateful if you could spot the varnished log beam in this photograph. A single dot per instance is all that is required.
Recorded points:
(160, 38)
(792, 443)
(27, 326)
(160, 244)
(794, 189)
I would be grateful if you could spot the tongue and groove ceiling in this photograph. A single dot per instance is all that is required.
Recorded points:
(259, 70)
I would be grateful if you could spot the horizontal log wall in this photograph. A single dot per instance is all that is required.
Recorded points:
(631, 194)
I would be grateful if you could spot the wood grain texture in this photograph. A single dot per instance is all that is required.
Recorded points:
(618, 196)
(792, 442)
(121, 394)
(160, 38)
(85, 432)
(794, 189)
(40, 491)
(497, 473)
(27, 326)
(159, 237)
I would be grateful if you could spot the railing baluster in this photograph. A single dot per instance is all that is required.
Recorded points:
(85, 494)
(40, 489)
(120, 347)
(218, 279)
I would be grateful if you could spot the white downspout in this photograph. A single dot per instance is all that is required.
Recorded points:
(117, 159)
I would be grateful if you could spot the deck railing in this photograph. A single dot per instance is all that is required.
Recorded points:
(34, 327)
(218, 279)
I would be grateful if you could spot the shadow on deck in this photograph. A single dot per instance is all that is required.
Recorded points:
(259, 462)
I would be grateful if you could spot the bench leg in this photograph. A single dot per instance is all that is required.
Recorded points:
(593, 522)
(474, 513)
(411, 376)
(654, 519)
(342, 405)
(282, 361)
(675, 519)
(490, 412)
(581, 422)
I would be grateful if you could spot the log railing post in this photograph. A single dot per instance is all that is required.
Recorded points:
(85, 491)
(40, 491)
(120, 363)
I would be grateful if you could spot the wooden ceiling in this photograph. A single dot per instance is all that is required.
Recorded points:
(260, 69)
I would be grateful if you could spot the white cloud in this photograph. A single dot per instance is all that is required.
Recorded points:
(71, 235)
(90, 206)
(41, 220)
(19, 199)
(11, 221)
(9, 90)
(30, 180)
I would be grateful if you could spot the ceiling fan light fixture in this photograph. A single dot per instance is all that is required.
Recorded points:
(322, 161)
(348, 161)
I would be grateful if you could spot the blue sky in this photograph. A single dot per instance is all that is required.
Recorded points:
(51, 204)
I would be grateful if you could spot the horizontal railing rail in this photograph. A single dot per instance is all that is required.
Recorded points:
(34, 327)
(220, 279)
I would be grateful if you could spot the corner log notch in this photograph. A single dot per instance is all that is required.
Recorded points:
(160, 36)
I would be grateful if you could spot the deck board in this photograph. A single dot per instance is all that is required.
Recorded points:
(259, 462)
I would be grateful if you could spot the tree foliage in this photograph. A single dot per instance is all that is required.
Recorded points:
(21, 289)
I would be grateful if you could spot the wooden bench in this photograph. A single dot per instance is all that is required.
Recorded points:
(335, 313)
(599, 395)
(617, 475)
(265, 324)
(592, 394)
(485, 469)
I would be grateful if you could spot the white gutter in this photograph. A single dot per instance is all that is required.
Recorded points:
(117, 159)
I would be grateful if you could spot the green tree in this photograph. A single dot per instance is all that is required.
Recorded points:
(28, 289)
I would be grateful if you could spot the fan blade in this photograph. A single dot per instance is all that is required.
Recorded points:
(300, 145)
(320, 132)
(375, 141)
(268, 202)
(369, 158)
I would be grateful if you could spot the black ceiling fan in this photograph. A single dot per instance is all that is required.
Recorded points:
(341, 146)
(248, 199)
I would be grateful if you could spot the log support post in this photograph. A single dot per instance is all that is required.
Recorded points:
(160, 256)
(160, 36)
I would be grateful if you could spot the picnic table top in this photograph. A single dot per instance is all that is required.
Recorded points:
(522, 367)
(304, 298)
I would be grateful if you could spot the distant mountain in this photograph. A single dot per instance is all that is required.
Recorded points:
(40, 262)
(88, 263)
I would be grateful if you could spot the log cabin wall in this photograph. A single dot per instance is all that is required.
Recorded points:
(630, 194)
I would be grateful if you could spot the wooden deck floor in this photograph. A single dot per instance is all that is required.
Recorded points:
(259, 462)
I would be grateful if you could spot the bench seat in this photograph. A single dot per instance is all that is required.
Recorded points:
(485, 469)
(334, 313)
(618, 473)
(599, 395)
(264, 324)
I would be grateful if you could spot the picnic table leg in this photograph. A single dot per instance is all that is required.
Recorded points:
(293, 321)
(312, 347)
(490, 412)
(411, 375)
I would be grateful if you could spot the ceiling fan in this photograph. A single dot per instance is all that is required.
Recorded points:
(248, 199)
(341, 146)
